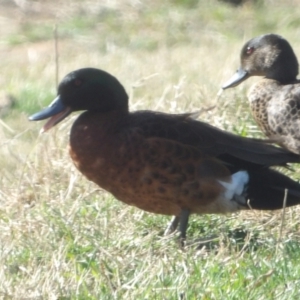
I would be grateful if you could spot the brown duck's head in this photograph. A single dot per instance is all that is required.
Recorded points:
(268, 55)
(84, 89)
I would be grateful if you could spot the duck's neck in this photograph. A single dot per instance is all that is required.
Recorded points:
(97, 125)
(284, 77)
(95, 137)
(285, 69)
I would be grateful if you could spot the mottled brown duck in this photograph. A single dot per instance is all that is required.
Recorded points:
(163, 163)
(275, 99)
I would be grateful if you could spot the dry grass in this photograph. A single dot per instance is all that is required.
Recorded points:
(64, 238)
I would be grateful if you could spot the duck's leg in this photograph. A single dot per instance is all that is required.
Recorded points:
(172, 225)
(184, 220)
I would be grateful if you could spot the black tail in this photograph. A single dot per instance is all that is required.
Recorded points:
(266, 190)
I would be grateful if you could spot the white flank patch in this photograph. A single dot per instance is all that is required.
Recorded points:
(237, 184)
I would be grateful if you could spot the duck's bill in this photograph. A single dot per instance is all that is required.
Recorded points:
(56, 111)
(236, 79)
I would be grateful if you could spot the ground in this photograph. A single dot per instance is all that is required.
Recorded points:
(64, 238)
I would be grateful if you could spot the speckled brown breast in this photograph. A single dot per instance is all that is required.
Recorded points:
(276, 109)
(154, 174)
(259, 97)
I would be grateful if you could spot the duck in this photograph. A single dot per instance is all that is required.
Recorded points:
(170, 164)
(275, 99)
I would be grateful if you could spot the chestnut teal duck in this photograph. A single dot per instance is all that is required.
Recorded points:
(275, 99)
(162, 163)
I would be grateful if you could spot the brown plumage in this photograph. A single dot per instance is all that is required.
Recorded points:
(162, 163)
(274, 100)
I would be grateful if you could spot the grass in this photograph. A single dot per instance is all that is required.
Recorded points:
(64, 238)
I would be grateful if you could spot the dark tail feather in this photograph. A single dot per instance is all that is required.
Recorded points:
(266, 190)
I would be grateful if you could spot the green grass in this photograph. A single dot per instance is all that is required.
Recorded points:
(61, 236)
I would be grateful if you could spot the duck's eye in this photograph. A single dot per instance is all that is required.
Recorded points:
(249, 50)
(77, 82)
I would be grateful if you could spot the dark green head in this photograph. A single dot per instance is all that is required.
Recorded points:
(84, 89)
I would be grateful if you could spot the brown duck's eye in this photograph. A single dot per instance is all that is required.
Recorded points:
(249, 50)
(77, 82)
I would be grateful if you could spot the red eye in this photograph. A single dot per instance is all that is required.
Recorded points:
(249, 50)
(77, 82)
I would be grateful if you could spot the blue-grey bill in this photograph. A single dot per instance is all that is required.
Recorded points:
(239, 76)
(56, 110)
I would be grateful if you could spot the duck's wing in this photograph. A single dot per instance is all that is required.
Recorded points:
(230, 148)
(169, 177)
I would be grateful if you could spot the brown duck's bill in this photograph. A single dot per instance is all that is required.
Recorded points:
(236, 79)
(56, 110)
